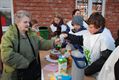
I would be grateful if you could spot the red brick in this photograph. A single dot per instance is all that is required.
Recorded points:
(44, 10)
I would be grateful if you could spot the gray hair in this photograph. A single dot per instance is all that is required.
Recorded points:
(20, 14)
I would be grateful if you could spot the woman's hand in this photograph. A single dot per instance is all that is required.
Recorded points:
(57, 41)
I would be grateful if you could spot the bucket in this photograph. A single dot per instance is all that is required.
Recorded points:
(44, 32)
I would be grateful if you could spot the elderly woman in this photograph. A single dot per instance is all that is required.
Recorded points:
(19, 50)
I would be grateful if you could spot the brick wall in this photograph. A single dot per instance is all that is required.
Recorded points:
(43, 10)
(112, 16)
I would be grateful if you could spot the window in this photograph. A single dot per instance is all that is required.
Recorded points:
(6, 11)
(83, 6)
(87, 7)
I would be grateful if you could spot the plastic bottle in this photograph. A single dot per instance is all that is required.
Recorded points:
(68, 50)
(62, 65)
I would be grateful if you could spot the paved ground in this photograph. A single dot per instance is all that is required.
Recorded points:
(44, 62)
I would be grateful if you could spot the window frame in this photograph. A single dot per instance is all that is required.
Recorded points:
(2, 8)
(90, 4)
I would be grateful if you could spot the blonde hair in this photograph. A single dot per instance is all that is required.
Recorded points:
(58, 15)
(20, 14)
